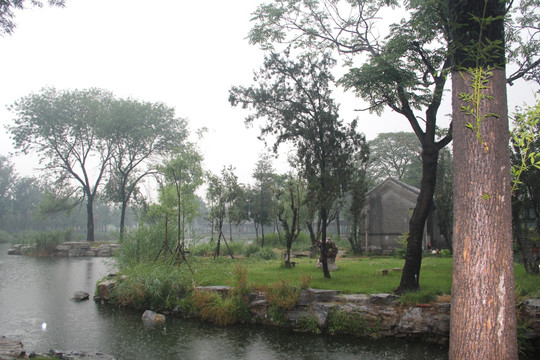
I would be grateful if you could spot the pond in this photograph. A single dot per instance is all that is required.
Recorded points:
(35, 307)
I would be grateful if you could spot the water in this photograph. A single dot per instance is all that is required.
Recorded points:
(36, 291)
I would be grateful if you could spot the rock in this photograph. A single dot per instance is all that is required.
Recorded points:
(80, 296)
(11, 349)
(355, 298)
(258, 304)
(530, 309)
(331, 264)
(382, 299)
(152, 316)
(80, 355)
(309, 296)
(105, 288)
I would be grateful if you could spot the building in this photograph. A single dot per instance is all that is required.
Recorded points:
(389, 207)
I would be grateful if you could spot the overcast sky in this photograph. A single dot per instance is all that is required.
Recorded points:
(186, 54)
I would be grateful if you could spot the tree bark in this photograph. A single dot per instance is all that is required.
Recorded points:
(90, 218)
(483, 315)
(410, 278)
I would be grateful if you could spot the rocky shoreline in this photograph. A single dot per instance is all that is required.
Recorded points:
(11, 349)
(71, 249)
(375, 315)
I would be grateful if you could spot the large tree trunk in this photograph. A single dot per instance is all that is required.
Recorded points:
(90, 218)
(410, 278)
(483, 313)
(483, 316)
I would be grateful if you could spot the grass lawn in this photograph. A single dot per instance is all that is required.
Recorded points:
(358, 275)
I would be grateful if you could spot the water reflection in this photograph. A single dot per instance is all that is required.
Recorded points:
(37, 291)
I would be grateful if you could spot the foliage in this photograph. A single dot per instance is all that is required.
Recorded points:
(142, 245)
(155, 286)
(341, 322)
(293, 96)
(265, 254)
(67, 129)
(213, 307)
(308, 323)
(443, 199)
(141, 131)
(45, 243)
(262, 204)
(394, 155)
(7, 25)
(226, 310)
(282, 297)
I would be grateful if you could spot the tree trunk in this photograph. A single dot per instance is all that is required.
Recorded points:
(324, 248)
(410, 278)
(483, 312)
(90, 218)
(123, 209)
(483, 316)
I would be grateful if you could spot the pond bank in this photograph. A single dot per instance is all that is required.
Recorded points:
(71, 249)
(360, 315)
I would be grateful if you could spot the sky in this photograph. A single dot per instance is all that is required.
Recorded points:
(186, 54)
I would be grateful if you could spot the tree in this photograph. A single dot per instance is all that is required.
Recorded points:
(405, 71)
(219, 196)
(392, 155)
(7, 180)
(183, 171)
(357, 199)
(7, 25)
(443, 198)
(483, 312)
(526, 182)
(263, 206)
(66, 129)
(141, 131)
(290, 195)
(295, 99)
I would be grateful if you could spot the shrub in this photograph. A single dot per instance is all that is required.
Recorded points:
(236, 247)
(265, 254)
(45, 243)
(282, 297)
(213, 307)
(143, 245)
(251, 249)
(308, 323)
(203, 249)
(155, 286)
(341, 322)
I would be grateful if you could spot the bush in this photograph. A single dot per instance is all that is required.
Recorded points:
(202, 249)
(251, 249)
(143, 245)
(45, 243)
(213, 307)
(265, 254)
(155, 286)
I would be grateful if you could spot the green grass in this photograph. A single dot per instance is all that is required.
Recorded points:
(356, 275)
